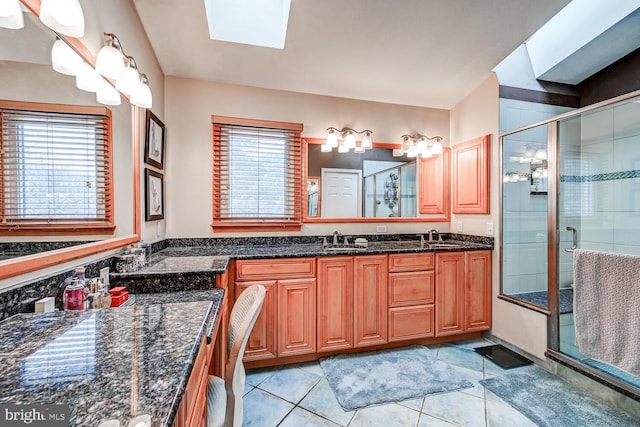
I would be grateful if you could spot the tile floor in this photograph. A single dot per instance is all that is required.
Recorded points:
(299, 395)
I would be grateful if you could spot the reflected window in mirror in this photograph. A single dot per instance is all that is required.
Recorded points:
(56, 169)
(313, 196)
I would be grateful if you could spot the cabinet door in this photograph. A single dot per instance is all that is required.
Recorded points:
(262, 341)
(434, 191)
(478, 290)
(370, 300)
(471, 176)
(296, 316)
(449, 293)
(335, 303)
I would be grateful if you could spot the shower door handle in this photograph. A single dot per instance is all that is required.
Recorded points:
(575, 239)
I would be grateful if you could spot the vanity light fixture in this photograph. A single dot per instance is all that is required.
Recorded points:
(63, 16)
(110, 59)
(345, 140)
(142, 96)
(11, 15)
(418, 144)
(64, 59)
(88, 79)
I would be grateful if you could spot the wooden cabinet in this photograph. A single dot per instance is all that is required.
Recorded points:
(370, 300)
(463, 292)
(335, 303)
(411, 296)
(434, 176)
(287, 322)
(352, 301)
(471, 176)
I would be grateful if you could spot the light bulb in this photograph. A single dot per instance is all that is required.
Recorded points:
(63, 16)
(332, 139)
(108, 95)
(436, 148)
(142, 96)
(64, 59)
(350, 140)
(109, 62)
(129, 82)
(367, 142)
(87, 78)
(11, 15)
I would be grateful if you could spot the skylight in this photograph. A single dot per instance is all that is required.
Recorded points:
(255, 22)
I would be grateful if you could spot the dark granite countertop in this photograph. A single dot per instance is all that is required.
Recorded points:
(105, 364)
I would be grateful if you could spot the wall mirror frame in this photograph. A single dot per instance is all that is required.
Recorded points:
(431, 216)
(29, 263)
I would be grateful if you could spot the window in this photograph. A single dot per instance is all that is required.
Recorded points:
(55, 169)
(256, 174)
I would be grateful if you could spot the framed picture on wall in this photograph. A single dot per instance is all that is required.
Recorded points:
(154, 195)
(154, 141)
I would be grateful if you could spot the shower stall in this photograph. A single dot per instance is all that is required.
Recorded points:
(570, 181)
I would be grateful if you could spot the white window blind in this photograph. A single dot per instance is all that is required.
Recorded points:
(55, 168)
(256, 174)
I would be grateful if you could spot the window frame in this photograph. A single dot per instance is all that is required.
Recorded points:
(259, 224)
(56, 227)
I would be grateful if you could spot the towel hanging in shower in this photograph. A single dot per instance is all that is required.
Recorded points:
(607, 307)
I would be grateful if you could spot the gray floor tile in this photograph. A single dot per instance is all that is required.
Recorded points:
(256, 376)
(299, 418)
(290, 384)
(462, 357)
(415, 404)
(474, 377)
(456, 407)
(429, 421)
(472, 343)
(499, 415)
(322, 401)
(262, 409)
(391, 415)
(311, 367)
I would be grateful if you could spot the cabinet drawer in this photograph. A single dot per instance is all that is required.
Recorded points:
(411, 322)
(411, 262)
(411, 288)
(270, 269)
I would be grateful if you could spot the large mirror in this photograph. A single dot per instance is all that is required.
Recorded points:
(27, 75)
(370, 186)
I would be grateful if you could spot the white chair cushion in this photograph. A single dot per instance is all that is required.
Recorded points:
(216, 402)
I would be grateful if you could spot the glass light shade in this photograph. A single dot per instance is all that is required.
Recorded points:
(523, 178)
(110, 63)
(406, 144)
(332, 139)
(541, 154)
(535, 161)
(413, 152)
(397, 152)
(367, 142)
(350, 140)
(426, 153)
(88, 79)
(63, 16)
(11, 15)
(343, 148)
(529, 152)
(108, 95)
(360, 149)
(324, 148)
(421, 144)
(436, 148)
(524, 159)
(505, 178)
(142, 97)
(64, 59)
(129, 82)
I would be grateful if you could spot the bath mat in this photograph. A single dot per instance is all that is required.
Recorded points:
(502, 356)
(549, 401)
(364, 379)
(613, 371)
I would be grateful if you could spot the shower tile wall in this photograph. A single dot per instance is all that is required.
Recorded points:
(524, 221)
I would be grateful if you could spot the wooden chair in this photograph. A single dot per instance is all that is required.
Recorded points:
(224, 404)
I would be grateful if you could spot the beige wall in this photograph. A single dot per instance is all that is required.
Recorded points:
(190, 104)
(476, 115)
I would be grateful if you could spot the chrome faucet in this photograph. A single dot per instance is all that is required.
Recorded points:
(435, 230)
(336, 235)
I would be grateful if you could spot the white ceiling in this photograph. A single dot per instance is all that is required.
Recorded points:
(429, 53)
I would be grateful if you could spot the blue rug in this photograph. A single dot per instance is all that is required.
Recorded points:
(612, 370)
(549, 401)
(363, 379)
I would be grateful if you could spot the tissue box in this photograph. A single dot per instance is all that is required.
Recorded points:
(119, 296)
(45, 305)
